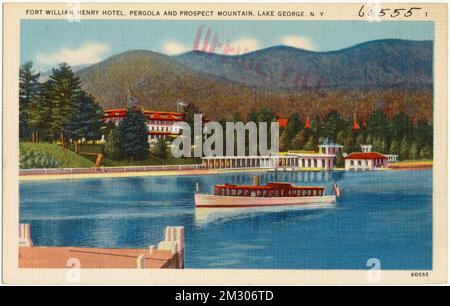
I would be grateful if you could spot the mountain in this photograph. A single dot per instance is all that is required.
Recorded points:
(374, 64)
(158, 81)
(393, 75)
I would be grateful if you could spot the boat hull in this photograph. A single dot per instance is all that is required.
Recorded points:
(205, 200)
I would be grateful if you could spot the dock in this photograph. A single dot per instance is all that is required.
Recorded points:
(168, 254)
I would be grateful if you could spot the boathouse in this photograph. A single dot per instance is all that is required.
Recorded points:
(365, 161)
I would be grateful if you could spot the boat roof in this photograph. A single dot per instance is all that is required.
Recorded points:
(271, 185)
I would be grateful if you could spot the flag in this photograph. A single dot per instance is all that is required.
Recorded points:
(307, 123)
(355, 123)
(337, 191)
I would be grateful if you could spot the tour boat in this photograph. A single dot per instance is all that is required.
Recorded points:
(272, 194)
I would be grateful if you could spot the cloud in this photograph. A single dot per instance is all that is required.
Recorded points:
(88, 54)
(173, 47)
(245, 45)
(299, 42)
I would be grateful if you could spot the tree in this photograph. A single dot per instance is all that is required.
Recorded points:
(86, 121)
(29, 89)
(311, 144)
(63, 91)
(38, 116)
(401, 126)
(300, 140)
(294, 126)
(378, 125)
(113, 147)
(189, 112)
(340, 161)
(426, 152)
(340, 138)
(395, 147)
(160, 149)
(133, 135)
(404, 148)
(330, 125)
(359, 140)
(423, 133)
(285, 141)
(414, 151)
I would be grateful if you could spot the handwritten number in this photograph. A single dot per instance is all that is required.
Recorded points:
(382, 13)
(361, 13)
(410, 12)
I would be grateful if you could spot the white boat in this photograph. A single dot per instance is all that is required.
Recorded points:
(272, 194)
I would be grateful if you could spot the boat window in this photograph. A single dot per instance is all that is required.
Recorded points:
(246, 192)
(265, 193)
(233, 192)
(239, 193)
(315, 192)
(253, 193)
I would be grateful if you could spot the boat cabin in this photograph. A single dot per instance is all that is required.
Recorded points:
(270, 190)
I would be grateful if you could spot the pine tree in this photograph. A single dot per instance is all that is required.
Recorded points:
(29, 89)
(39, 113)
(340, 161)
(300, 140)
(113, 148)
(285, 143)
(160, 149)
(395, 147)
(311, 144)
(404, 148)
(64, 91)
(86, 121)
(133, 135)
(414, 151)
(293, 128)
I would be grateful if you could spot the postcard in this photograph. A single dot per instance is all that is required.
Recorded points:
(261, 144)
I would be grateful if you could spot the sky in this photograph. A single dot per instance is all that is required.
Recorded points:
(49, 42)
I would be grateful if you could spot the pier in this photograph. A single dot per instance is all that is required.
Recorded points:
(168, 254)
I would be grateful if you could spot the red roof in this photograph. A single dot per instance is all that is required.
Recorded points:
(283, 122)
(364, 155)
(151, 115)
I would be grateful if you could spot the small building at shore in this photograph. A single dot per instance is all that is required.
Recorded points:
(365, 161)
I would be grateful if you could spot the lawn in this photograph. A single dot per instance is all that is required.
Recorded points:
(66, 158)
(152, 161)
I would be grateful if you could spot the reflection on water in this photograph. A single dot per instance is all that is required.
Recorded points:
(381, 214)
(204, 216)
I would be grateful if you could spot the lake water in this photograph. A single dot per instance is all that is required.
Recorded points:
(381, 214)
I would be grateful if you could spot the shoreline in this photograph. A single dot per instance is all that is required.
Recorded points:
(190, 172)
